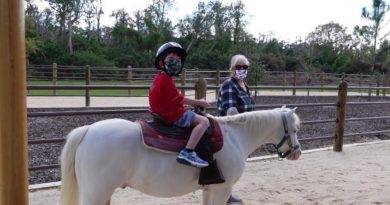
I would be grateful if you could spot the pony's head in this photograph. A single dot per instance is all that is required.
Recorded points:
(278, 127)
(287, 144)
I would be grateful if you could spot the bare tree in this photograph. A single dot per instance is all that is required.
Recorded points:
(376, 16)
(69, 13)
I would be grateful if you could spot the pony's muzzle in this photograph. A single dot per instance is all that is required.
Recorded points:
(294, 155)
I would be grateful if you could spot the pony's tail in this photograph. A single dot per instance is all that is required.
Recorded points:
(69, 187)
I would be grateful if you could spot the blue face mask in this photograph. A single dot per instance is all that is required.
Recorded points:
(172, 67)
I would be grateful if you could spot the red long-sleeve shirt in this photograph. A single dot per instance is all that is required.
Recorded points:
(165, 99)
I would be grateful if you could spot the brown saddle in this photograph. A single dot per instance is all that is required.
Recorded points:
(161, 135)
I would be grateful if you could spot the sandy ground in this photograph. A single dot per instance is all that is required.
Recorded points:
(358, 175)
(70, 101)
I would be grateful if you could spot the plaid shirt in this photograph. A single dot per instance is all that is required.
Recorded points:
(232, 95)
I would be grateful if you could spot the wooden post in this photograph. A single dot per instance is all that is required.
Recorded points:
(341, 102)
(308, 83)
(384, 84)
(13, 117)
(322, 80)
(294, 82)
(87, 82)
(54, 77)
(183, 80)
(200, 89)
(129, 77)
(360, 82)
(369, 90)
(284, 79)
(377, 85)
(200, 93)
(217, 82)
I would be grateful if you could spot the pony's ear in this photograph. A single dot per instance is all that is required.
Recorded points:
(291, 111)
(283, 107)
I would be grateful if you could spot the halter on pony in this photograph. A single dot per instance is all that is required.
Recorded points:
(286, 138)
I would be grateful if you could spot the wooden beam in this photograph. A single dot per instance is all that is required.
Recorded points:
(13, 114)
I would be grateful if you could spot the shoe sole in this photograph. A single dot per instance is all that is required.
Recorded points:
(184, 161)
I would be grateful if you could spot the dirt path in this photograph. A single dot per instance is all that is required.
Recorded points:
(358, 175)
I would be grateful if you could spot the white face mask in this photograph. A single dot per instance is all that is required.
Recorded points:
(241, 74)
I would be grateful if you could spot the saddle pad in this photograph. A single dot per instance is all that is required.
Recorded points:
(154, 139)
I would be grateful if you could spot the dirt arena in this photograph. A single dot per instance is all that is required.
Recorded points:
(358, 175)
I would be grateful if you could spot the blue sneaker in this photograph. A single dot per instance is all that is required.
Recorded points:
(191, 158)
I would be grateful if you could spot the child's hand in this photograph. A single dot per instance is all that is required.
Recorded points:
(202, 103)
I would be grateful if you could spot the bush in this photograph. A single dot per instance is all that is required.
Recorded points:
(89, 58)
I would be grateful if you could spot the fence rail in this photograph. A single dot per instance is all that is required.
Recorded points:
(88, 88)
(131, 76)
(339, 121)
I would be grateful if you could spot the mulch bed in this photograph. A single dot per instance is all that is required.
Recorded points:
(58, 127)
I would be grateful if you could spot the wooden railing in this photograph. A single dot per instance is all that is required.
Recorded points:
(89, 75)
(339, 121)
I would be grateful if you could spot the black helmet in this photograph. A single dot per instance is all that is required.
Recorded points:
(170, 47)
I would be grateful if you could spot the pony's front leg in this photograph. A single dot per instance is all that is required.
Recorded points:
(207, 198)
(216, 196)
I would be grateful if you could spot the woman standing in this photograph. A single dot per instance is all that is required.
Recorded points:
(234, 96)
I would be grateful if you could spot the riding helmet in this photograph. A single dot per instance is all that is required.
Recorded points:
(170, 47)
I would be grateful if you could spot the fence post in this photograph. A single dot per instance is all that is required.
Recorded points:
(294, 82)
(322, 81)
(200, 88)
(384, 84)
(369, 88)
(377, 85)
(217, 82)
(284, 80)
(87, 82)
(341, 102)
(13, 117)
(129, 77)
(54, 77)
(200, 92)
(308, 83)
(183, 81)
(360, 82)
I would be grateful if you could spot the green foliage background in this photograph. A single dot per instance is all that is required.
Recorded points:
(68, 32)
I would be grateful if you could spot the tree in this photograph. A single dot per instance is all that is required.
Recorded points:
(332, 34)
(197, 26)
(68, 12)
(91, 12)
(327, 43)
(156, 16)
(376, 16)
(237, 12)
(122, 18)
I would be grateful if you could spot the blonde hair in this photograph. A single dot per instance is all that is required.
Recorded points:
(237, 58)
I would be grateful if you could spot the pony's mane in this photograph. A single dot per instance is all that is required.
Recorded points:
(251, 121)
(255, 120)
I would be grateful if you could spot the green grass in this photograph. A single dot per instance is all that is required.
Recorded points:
(82, 92)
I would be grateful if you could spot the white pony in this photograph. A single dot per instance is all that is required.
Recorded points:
(108, 154)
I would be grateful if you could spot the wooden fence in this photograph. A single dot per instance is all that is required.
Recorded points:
(136, 76)
(339, 121)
